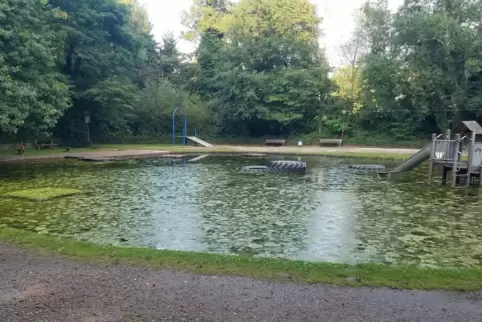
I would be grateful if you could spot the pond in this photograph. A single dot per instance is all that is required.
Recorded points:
(332, 213)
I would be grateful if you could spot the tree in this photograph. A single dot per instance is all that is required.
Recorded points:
(169, 58)
(106, 59)
(267, 83)
(349, 78)
(264, 73)
(153, 117)
(34, 93)
(139, 18)
(349, 88)
(375, 25)
(205, 15)
(289, 19)
(441, 43)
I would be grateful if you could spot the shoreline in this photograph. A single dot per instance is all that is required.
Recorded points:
(55, 288)
(137, 151)
(367, 274)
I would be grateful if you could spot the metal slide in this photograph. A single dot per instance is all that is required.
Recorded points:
(199, 141)
(415, 160)
(199, 158)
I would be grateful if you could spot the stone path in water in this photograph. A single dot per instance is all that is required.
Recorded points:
(52, 288)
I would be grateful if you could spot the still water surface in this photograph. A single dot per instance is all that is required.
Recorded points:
(332, 213)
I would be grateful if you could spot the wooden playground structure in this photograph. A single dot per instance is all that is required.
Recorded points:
(459, 153)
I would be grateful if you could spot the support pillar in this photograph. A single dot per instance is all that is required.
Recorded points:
(431, 160)
(448, 134)
(444, 175)
(455, 161)
(470, 150)
(174, 125)
(185, 130)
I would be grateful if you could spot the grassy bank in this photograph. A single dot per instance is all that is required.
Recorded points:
(275, 269)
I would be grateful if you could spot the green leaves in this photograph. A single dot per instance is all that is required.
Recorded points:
(34, 93)
(264, 72)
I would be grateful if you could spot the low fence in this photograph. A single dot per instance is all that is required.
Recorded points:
(444, 150)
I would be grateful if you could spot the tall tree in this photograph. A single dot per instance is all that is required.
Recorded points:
(170, 58)
(265, 73)
(205, 15)
(441, 44)
(33, 93)
(139, 17)
(104, 58)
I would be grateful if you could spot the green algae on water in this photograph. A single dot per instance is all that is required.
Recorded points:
(331, 214)
(42, 194)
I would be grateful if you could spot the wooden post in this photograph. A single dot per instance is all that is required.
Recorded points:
(444, 175)
(448, 136)
(448, 133)
(431, 160)
(455, 161)
(470, 151)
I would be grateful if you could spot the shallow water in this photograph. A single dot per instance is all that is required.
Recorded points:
(332, 213)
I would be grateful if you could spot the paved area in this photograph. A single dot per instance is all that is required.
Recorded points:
(314, 149)
(91, 154)
(216, 149)
(38, 288)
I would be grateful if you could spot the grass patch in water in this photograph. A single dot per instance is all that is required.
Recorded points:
(42, 194)
(469, 279)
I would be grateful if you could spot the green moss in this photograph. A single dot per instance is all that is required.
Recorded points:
(42, 194)
(277, 269)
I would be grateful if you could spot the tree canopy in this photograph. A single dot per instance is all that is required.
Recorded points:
(258, 70)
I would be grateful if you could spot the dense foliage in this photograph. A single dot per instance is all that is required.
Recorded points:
(258, 70)
(421, 67)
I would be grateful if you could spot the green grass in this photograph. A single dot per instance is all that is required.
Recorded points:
(273, 269)
(42, 194)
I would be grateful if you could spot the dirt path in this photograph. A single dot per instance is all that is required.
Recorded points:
(37, 288)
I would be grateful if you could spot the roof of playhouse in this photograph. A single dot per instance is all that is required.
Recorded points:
(468, 126)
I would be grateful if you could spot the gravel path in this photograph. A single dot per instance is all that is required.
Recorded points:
(38, 288)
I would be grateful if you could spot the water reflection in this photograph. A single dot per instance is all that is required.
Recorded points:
(332, 213)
